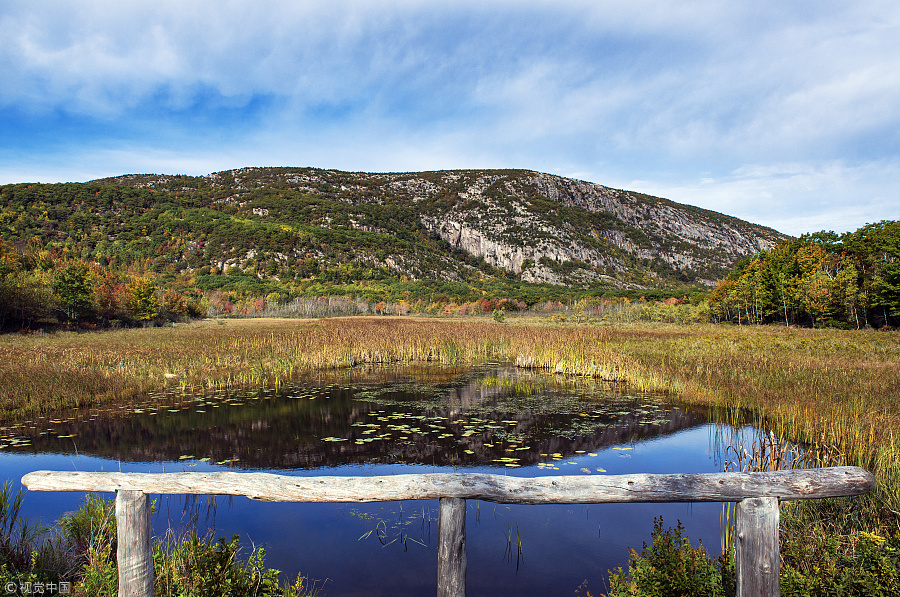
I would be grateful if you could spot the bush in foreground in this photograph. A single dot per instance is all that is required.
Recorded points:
(670, 567)
(815, 565)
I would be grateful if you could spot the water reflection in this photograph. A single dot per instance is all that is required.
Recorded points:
(498, 416)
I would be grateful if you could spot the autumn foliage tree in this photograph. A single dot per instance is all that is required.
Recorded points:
(143, 301)
(110, 295)
(820, 279)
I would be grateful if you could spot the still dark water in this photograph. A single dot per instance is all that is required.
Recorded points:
(383, 421)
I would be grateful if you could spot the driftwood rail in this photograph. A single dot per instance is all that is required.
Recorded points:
(758, 494)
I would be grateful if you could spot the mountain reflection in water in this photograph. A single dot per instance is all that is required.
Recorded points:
(493, 415)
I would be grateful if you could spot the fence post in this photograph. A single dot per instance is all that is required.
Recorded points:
(757, 556)
(135, 552)
(452, 548)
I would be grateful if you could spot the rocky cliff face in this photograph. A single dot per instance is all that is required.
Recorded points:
(539, 227)
(682, 236)
(547, 228)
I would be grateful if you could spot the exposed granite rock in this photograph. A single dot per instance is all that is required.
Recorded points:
(540, 227)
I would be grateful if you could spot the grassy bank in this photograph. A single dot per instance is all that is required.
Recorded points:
(836, 391)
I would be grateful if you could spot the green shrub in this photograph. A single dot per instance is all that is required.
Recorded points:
(815, 566)
(195, 567)
(82, 552)
(832, 323)
(670, 567)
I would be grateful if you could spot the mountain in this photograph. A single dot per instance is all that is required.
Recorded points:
(299, 223)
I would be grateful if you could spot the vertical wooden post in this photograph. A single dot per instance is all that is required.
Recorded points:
(135, 552)
(452, 548)
(757, 555)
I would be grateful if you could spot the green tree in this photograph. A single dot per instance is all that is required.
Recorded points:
(721, 301)
(886, 286)
(876, 249)
(846, 287)
(73, 288)
(887, 275)
(24, 299)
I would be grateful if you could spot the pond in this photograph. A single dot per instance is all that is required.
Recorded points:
(390, 420)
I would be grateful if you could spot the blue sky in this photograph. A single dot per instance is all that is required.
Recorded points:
(782, 113)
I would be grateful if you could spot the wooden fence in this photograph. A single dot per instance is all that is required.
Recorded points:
(758, 494)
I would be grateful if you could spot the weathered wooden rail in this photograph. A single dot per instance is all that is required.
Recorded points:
(758, 494)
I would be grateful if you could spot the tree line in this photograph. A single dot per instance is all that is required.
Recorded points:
(47, 286)
(823, 279)
(99, 254)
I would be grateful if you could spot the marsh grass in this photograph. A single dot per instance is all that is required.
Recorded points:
(16, 535)
(43, 374)
(834, 392)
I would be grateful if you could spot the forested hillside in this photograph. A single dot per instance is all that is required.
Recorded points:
(294, 223)
(251, 239)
